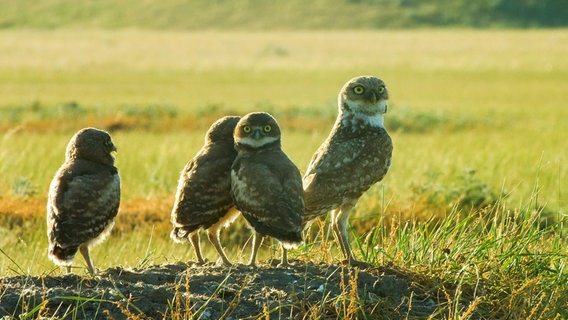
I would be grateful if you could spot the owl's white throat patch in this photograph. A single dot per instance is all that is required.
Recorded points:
(368, 115)
(358, 119)
(377, 120)
(256, 143)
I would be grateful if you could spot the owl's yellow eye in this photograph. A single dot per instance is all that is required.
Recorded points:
(381, 89)
(358, 90)
(246, 129)
(267, 128)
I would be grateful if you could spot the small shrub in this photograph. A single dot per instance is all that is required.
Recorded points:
(469, 192)
(24, 187)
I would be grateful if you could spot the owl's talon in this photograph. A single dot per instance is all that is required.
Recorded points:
(360, 264)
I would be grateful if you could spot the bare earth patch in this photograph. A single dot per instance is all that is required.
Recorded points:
(306, 290)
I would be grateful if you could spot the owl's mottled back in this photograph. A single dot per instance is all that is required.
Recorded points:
(221, 131)
(84, 197)
(203, 198)
(356, 154)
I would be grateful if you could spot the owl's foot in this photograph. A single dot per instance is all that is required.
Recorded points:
(356, 263)
(223, 262)
(199, 262)
(282, 264)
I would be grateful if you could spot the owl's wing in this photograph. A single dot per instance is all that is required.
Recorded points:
(86, 197)
(203, 192)
(333, 155)
(270, 196)
(346, 168)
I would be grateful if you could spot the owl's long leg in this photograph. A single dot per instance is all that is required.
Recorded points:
(256, 241)
(213, 234)
(339, 221)
(84, 249)
(340, 230)
(194, 239)
(284, 262)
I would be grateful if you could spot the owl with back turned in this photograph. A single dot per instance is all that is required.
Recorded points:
(83, 199)
(266, 185)
(356, 155)
(203, 199)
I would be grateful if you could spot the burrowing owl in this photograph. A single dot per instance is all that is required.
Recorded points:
(84, 197)
(203, 198)
(355, 155)
(266, 185)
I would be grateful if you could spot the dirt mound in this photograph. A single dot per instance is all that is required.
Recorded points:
(216, 292)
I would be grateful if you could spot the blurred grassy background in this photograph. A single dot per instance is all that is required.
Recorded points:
(477, 117)
(292, 14)
(501, 91)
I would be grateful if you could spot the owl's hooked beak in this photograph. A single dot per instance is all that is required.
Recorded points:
(374, 97)
(257, 134)
(113, 151)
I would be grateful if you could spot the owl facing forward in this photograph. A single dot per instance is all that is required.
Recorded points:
(203, 198)
(266, 185)
(83, 199)
(356, 154)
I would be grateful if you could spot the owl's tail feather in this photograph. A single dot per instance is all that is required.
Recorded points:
(291, 245)
(179, 235)
(62, 256)
(290, 240)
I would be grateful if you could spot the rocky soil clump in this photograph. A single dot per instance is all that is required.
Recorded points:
(182, 291)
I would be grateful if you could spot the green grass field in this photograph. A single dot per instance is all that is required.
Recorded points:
(477, 193)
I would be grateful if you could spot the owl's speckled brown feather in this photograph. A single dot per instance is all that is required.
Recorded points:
(356, 154)
(203, 198)
(344, 168)
(266, 185)
(268, 189)
(84, 197)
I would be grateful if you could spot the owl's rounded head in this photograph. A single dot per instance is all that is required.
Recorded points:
(257, 130)
(366, 94)
(91, 144)
(222, 129)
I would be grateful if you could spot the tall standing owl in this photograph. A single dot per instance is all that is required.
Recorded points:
(356, 154)
(83, 199)
(266, 185)
(203, 198)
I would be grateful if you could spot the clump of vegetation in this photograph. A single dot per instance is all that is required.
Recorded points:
(499, 266)
(24, 187)
(405, 120)
(467, 192)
